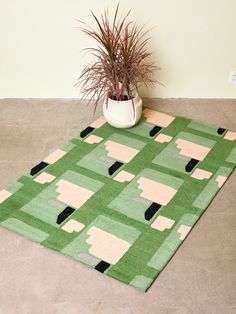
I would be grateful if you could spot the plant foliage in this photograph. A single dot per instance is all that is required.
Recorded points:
(121, 60)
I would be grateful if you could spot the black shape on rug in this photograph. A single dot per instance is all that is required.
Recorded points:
(155, 130)
(220, 131)
(191, 164)
(102, 266)
(86, 131)
(151, 211)
(114, 167)
(64, 214)
(38, 168)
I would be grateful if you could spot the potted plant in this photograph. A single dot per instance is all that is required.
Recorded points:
(121, 64)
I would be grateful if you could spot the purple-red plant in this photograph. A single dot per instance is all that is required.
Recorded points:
(121, 62)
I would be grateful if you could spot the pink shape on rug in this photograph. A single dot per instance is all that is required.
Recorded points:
(192, 150)
(53, 157)
(155, 192)
(72, 194)
(161, 223)
(183, 231)
(44, 177)
(220, 180)
(201, 174)
(163, 138)
(91, 139)
(98, 123)
(230, 135)
(157, 118)
(73, 225)
(120, 151)
(124, 176)
(4, 194)
(106, 246)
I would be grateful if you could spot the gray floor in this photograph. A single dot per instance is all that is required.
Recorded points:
(201, 277)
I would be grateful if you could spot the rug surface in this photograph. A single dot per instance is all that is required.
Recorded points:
(122, 201)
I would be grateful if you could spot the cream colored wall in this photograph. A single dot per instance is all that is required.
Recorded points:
(193, 41)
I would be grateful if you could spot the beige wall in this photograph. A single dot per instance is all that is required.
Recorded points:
(193, 41)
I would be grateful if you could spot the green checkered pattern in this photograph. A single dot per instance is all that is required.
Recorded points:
(122, 201)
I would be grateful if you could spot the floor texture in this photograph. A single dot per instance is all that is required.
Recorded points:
(200, 278)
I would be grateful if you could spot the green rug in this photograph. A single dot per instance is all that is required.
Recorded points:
(122, 201)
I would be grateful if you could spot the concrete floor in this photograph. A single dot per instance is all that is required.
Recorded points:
(201, 277)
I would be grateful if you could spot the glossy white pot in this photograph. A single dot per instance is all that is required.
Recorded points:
(123, 114)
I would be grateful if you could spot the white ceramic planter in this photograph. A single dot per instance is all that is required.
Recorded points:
(123, 114)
